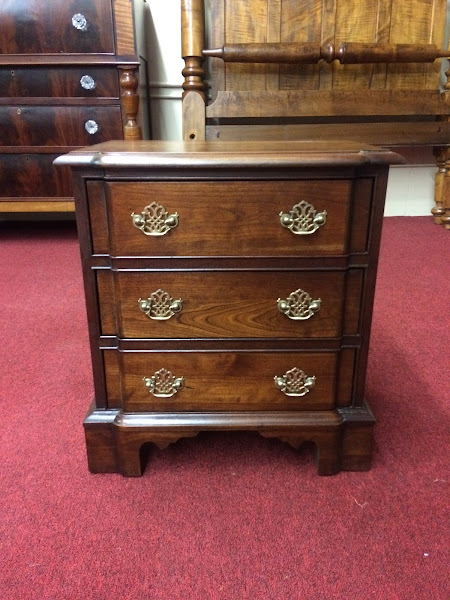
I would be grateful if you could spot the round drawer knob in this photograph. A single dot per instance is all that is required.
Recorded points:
(87, 82)
(91, 127)
(79, 22)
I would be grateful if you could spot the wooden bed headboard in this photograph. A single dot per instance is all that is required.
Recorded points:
(320, 69)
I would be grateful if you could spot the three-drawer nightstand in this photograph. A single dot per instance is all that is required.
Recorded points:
(229, 286)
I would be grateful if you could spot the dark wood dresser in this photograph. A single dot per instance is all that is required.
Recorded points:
(68, 78)
(229, 286)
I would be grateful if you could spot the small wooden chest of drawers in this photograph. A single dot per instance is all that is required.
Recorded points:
(68, 78)
(229, 286)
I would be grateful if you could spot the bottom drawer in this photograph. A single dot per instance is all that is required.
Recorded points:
(33, 175)
(204, 381)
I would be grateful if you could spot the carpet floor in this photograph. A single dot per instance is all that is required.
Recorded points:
(222, 516)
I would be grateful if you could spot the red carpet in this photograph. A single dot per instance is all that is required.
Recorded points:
(224, 516)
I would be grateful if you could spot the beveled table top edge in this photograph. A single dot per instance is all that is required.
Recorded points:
(210, 154)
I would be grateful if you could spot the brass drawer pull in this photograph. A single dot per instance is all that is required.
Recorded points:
(87, 82)
(295, 382)
(163, 384)
(79, 21)
(299, 305)
(303, 219)
(160, 306)
(155, 220)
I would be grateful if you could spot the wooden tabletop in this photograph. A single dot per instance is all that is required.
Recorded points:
(232, 154)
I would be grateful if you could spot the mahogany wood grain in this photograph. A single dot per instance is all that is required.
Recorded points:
(237, 381)
(25, 27)
(34, 176)
(57, 125)
(57, 82)
(115, 440)
(229, 263)
(111, 360)
(230, 219)
(46, 48)
(222, 304)
(98, 217)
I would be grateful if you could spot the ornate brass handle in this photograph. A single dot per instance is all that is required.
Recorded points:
(303, 219)
(160, 306)
(163, 384)
(155, 220)
(299, 305)
(295, 382)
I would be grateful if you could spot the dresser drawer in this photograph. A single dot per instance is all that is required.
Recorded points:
(245, 304)
(228, 218)
(59, 125)
(227, 381)
(56, 82)
(33, 175)
(36, 26)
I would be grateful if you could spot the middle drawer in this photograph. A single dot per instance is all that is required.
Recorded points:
(221, 304)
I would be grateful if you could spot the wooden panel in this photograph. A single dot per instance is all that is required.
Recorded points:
(355, 22)
(25, 27)
(123, 15)
(344, 391)
(224, 304)
(214, 38)
(379, 71)
(414, 23)
(300, 22)
(438, 38)
(245, 22)
(112, 379)
(327, 37)
(30, 205)
(362, 195)
(353, 295)
(227, 381)
(97, 216)
(106, 294)
(229, 218)
(33, 175)
(58, 82)
(298, 103)
(386, 134)
(57, 125)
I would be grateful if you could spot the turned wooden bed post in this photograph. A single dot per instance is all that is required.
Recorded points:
(192, 44)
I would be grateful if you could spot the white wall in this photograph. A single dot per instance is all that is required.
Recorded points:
(410, 188)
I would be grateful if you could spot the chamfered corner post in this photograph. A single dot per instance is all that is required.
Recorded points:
(192, 44)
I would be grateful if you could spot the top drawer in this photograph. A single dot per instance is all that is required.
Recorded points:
(34, 27)
(228, 218)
